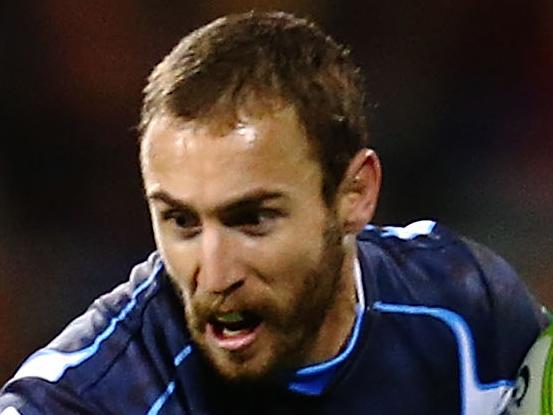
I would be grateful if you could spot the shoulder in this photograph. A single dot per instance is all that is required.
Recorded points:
(451, 303)
(111, 317)
(111, 333)
(425, 268)
(435, 265)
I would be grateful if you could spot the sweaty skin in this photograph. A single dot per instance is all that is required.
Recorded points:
(240, 222)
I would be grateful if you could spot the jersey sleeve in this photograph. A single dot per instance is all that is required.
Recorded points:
(517, 318)
(32, 396)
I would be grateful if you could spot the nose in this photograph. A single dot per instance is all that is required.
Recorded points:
(219, 272)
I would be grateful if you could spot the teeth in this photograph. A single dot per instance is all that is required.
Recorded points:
(233, 317)
(230, 333)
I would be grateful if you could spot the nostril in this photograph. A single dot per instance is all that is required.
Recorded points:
(236, 285)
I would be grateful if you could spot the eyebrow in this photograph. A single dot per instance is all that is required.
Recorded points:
(249, 199)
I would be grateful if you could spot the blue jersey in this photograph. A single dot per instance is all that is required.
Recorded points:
(442, 326)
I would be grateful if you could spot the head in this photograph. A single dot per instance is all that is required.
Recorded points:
(257, 175)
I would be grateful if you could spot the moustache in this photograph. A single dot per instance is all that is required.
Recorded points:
(204, 307)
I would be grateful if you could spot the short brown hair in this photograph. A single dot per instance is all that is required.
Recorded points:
(273, 55)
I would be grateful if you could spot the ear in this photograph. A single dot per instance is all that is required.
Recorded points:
(358, 191)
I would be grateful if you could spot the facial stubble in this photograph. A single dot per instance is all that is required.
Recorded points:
(294, 326)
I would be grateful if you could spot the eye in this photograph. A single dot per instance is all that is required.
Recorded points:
(187, 223)
(256, 222)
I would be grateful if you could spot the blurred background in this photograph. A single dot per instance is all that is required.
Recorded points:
(461, 103)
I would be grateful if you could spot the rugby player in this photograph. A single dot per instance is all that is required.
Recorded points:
(269, 292)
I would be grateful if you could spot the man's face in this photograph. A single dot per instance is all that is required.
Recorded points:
(240, 222)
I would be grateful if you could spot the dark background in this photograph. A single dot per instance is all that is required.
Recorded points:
(461, 99)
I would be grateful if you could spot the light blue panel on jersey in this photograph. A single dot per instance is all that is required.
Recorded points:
(162, 399)
(158, 404)
(183, 354)
(312, 380)
(411, 231)
(50, 364)
(476, 398)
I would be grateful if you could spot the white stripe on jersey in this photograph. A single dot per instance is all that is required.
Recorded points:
(51, 364)
(411, 231)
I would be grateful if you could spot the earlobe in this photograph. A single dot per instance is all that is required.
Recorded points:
(359, 190)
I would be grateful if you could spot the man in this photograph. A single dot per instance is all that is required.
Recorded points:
(269, 293)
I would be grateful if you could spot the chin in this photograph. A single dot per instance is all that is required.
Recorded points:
(242, 369)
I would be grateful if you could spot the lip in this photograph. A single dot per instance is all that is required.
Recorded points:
(235, 343)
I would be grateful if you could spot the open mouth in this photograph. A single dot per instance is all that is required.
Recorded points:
(234, 330)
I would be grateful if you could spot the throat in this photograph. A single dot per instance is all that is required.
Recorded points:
(334, 334)
(338, 323)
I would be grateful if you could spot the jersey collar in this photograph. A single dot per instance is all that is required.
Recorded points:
(312, 380)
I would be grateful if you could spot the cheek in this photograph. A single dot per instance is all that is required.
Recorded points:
(285, 261)
(178, 258)
(297, 247)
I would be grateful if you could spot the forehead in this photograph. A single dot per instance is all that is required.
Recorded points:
(193, 159)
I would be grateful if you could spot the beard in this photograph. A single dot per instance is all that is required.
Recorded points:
(291, 323)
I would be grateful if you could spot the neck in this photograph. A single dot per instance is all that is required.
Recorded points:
(340, 318)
